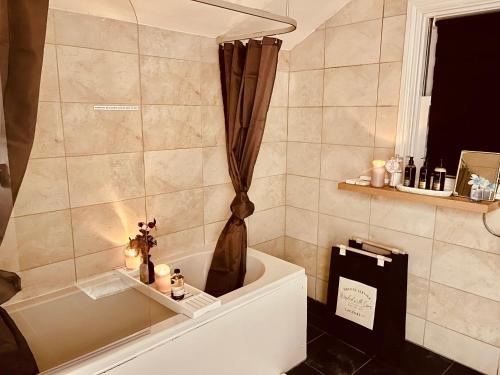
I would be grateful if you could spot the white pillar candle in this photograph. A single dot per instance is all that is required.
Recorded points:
(162, 278)
(378, 173)
(132, 258)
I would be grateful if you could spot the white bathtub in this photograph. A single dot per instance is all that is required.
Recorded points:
(260, 329)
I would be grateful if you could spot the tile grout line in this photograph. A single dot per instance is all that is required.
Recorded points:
(363, 365)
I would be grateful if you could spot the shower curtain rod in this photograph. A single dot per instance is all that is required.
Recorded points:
(292, 24)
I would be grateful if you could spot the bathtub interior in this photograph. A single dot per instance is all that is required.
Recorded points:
(72, 323)
(195, 267)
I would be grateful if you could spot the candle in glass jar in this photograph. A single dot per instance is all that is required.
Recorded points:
(132, 258)
(378, 173)
(162, 278)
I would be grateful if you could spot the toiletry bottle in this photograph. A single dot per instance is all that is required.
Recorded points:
(410, 173)
(177, 285)
(424, 179)
(439, 177)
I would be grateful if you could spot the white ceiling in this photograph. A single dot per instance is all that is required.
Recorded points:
(195, 18)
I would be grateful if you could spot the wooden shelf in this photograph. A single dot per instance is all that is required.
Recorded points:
(458, 203)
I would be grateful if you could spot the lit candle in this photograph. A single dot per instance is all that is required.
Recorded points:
(378, 173)
(132, 258)
(162, 278)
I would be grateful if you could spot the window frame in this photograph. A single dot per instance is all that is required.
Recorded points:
(411, 134)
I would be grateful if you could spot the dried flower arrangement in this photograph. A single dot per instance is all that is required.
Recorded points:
(144, 241)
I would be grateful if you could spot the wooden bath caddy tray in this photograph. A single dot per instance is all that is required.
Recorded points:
(194, 304)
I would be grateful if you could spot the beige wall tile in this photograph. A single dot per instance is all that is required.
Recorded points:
(44, 188)
(212, 124)
(343, 204)
(472, 353)
(302, 254)
(209, 50)
(354, 44)
(168, 81)
(450, 226)
(210, 84)
(419, 249)
(106, 226)
(382, 153)
(119, 176)
(311, 287)
(393, 37)
(310, 53)
(213, 231)
(165, 43)
(466, 313)
(283, 61)
(173, 170)
(321, 291)
(279, 97)
(415, 329)
(97, 263)
(176, 211)
(334, 230)
(92, 76)
(180, 243)
(306, 88)
(90, 132)
(342, 162)
(49, 82)
(41, 280)
(276, 122)
(9, 257)
(304, 124)
(417, 293)
(351, 86)
(303, 159)
(302, 192)
(389, 83)
(266, 225)
(82, 30)
(412, 218)
(215, 169)
(357, 11)
(49, 31)
(217, 201)
(49, 140)
(268, 192)
(466, 269)
(324, 257)
(349, 125)
(394, 7)
(169, 127)
(386, 126)
(296, 219)
(271, 160)
(275, 247)
(44, 238)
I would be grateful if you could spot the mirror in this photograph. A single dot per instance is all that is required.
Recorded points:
(478, 173)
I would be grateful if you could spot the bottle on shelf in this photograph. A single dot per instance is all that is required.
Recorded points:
(439, 177)
(410, 173)
(177, 290)
(424, 178)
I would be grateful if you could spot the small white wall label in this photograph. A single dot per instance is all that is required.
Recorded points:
(116, 108)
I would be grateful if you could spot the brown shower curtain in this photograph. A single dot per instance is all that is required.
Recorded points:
(247, 76)
(22, 38)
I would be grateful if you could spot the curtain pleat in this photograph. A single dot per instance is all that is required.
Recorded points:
(247, 78)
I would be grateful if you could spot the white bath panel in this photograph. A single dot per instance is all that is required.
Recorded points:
(194, 304)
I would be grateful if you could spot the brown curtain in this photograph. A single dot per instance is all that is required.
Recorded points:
(247, 76)
(22, 38)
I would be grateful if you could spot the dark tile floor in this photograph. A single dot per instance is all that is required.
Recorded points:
(327, 355)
